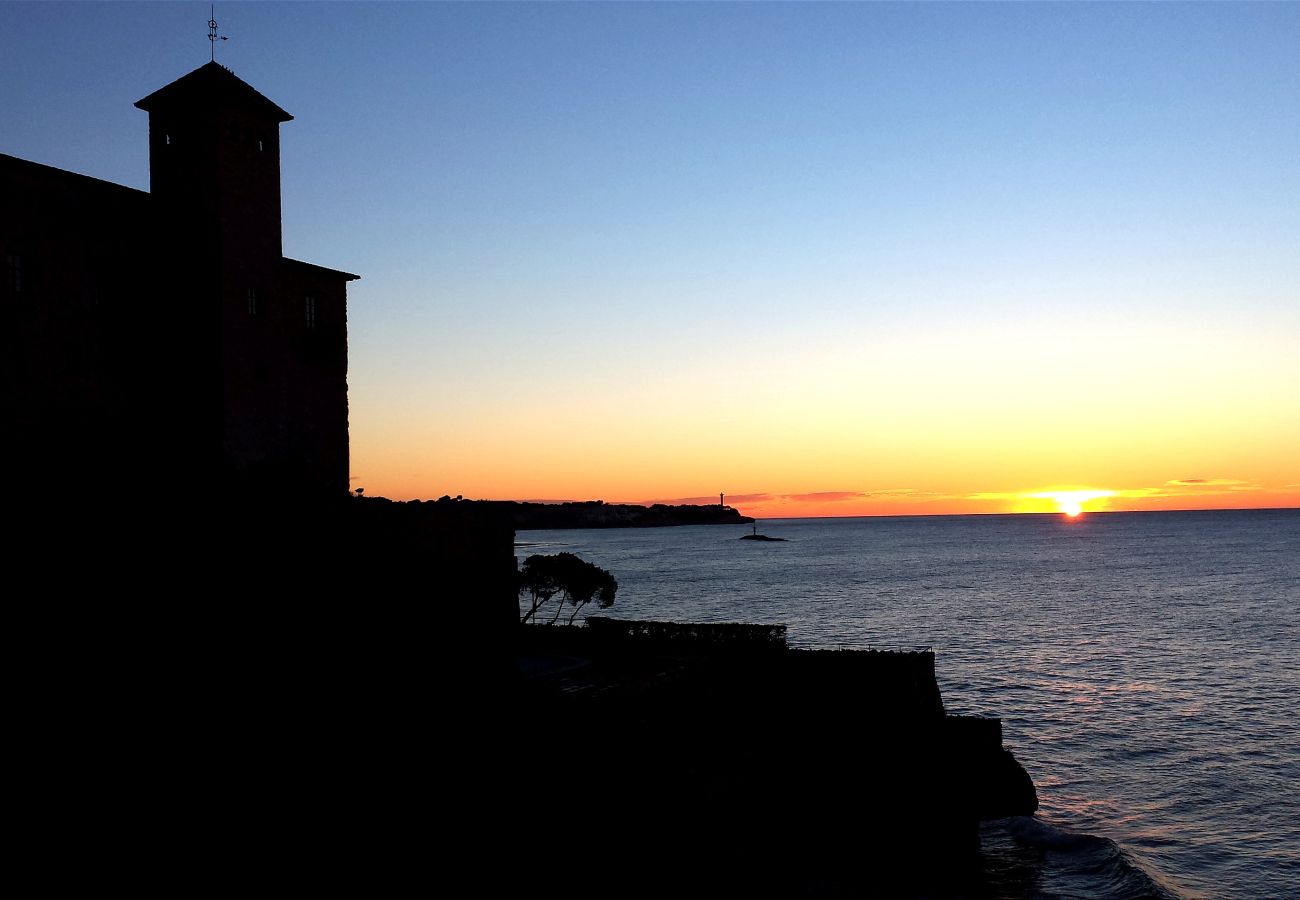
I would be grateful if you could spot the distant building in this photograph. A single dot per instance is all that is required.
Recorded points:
(161, 341)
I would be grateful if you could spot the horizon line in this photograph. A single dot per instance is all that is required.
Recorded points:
(1086, 512)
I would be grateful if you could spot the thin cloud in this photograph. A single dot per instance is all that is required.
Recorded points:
(904, 492)
(1145, 492)
(842, 496)
(825, 496)
(1174, 488)
(706, 501)
(884, 494)
(1183, 487)
(748, 498)
(839, 496)
(1205, 482)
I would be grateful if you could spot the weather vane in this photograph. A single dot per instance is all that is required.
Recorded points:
(213, 37)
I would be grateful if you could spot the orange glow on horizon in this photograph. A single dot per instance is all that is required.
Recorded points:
(1173, 495)
(1168, 416)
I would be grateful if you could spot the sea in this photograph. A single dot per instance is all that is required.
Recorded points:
(1145, 665)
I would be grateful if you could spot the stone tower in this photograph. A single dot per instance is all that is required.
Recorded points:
(270, 333)
(214, 164)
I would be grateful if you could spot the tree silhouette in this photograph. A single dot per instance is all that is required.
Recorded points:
(576, 581)
(587, 583)
(537, 578)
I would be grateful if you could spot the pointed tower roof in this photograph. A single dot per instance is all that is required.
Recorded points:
(213, 85)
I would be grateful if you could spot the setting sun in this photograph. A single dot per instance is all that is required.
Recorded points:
(1072, 502)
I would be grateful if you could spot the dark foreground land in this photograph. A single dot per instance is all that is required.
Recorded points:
(342, 697)
(661, 759)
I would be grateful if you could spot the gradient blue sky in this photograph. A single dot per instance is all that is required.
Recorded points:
(607, 249)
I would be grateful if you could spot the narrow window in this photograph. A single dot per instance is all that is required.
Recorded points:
(167, 139)
(259, 145)
(252, 301)
(14, 272)
(309, 306)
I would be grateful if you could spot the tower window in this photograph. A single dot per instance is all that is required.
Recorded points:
(14, 272)
(259, 145)
(167, 139)
(309, 307)
(252, 301)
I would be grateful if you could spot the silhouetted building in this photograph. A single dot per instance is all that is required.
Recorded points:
(161, 341)
(211, 622)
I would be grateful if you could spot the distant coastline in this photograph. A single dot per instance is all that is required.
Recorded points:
(599, 514)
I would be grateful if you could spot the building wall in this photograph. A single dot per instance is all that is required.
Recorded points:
(285, 381)
(76, 305)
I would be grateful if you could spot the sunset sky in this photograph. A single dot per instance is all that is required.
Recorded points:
(833, 259)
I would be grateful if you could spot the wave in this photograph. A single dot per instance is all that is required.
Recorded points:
(1025, 856)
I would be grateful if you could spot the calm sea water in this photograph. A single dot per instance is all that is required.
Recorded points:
(1146, 667)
